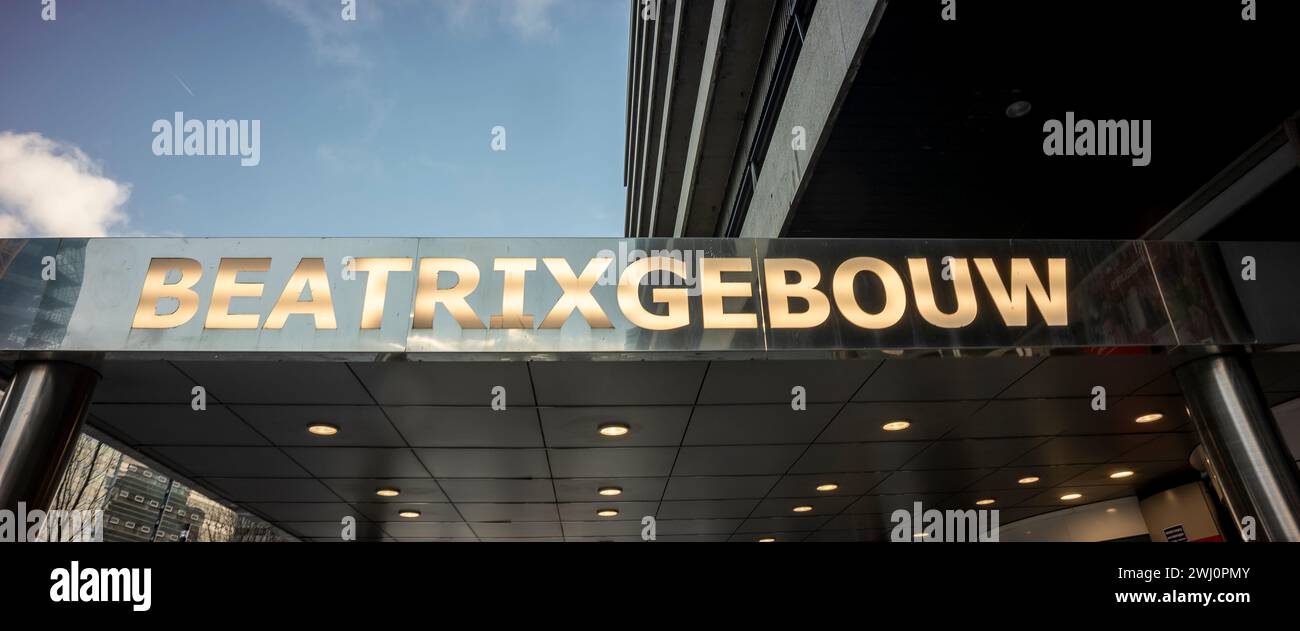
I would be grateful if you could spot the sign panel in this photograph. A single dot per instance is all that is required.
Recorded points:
(540, 296)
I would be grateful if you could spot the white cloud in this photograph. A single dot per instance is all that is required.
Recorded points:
(53, 189)
(531, 18)
(332, 39)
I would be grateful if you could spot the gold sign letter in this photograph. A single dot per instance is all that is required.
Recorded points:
(310, 274)
(156, 288)
(967, 307)
(227, 286)
(779, 294)
(428, 295)
(512, 294)
(629, 295)
(846, 299)
(713, 289)
(1012, 305)
(577, 293)
(377, 270)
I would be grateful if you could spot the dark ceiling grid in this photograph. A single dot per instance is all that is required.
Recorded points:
(550, 473)
(680, 443)
(212, 396)
(375, 401)
(794, 462)
(730, 506)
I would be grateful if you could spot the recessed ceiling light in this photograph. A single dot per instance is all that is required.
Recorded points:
(1028, 479)
(1150, 418)
(607, 512)
(1018, 109)
(1121, 474)
(613, 429)
(610, 490)
(896, 426)
(802, 508)
(1112, 509)
(1071, 496)
(409, 514)
(984, 502)
(388, 492)
(323, 429)
(827, 487)
(767, 540)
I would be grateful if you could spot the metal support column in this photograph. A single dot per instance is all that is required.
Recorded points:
(1245, 452)
(39, 421)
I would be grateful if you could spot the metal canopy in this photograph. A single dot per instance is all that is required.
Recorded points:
(715, 451)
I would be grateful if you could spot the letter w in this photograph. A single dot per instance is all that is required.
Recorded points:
(1012, 304)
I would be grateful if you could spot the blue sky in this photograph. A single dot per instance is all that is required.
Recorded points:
(378, 127)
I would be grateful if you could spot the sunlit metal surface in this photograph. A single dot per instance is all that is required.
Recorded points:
(535, 298)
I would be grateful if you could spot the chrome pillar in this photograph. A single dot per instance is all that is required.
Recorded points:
(1246, 456)
(39, 420)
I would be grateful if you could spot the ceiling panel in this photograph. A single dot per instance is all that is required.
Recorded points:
(617, 383)
(608, 528)
(391, 511)
(485, 463)
(864, 422)
(511, 529)
(363, 489)
(947, 379)
(1143, 472)
(142, 382)
(498, 490)
(352, 462)
(304, 383)
(1002, 499)
(1077, 375)
(706, 509)
(824, 506)
(649, 426)
(782, 524)
(304, 511)
(359, 425)
(747, 460)
(930, 481)
(972, 454)
(174, 424)
(586, 511)
(230, 462)
(1009, 477)
(684, 527)
(1052, 497)
(476, 512)
(803, 485)
(1081, 449)
(760, 381)
(616, 462)
(853, 457)
(860, 521)
(445, 383)
(408, 529)
(1176, 446)
(333, 530)
(1049, 417)
(886, 504)
(774, 423)
(825, 535)
(585, 489)
(272, 489)
(715, 487)
(428, 426)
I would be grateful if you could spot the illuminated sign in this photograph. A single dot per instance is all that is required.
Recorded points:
(650, 293)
